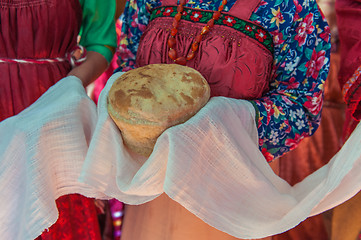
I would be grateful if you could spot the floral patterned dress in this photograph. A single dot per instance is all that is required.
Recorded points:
(293, 32)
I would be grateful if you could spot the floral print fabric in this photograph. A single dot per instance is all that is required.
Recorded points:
(291, 110)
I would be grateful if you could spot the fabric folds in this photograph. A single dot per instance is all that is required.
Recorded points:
(213, 158)
(42, 150)
(61, 145)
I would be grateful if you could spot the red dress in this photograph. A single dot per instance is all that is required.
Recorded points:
(348, 18)
(42, 30)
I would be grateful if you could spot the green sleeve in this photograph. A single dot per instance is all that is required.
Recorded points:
(97, 31)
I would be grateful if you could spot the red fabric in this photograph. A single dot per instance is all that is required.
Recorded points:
(42, 29)
(77, 220)
(33, 29)
(349, 126)
(102, 80)
(312, 229)
(348, 21)
(353, 99)
(246, 78)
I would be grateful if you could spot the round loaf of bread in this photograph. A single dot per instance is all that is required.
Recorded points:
(145, 101)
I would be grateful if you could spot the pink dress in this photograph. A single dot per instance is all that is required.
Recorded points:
(42, 29)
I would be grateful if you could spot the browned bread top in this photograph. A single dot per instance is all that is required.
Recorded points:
(144, 102)
(161, 94)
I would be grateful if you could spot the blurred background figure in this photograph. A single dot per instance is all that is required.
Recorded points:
(346, 218)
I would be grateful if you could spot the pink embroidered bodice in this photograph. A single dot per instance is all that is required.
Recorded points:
(234, 64)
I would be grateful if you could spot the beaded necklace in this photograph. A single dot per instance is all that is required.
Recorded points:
(172, 41)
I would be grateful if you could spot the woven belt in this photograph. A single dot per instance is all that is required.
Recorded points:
(69, 57)
(33, 61)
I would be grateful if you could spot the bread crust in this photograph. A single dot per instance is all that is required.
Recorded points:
(145, 101)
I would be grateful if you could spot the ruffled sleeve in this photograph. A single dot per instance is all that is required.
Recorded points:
(98, 27)
(291, 110)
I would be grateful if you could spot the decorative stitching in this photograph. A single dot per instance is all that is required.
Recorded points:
(202, 16)
(346, 87)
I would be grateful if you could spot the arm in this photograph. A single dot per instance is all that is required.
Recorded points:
(99, 38)
(291, 110)
(94, 65)
(348, 21)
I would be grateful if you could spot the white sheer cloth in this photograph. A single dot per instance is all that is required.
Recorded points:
(42, 151)
(211, 165)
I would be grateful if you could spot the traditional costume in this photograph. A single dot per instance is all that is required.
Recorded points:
(184, 158)
(346, 218)
(246, 51)
(213, 166)
(37, 39)
(316, 151)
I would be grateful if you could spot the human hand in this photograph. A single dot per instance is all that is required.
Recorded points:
(94, 65)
